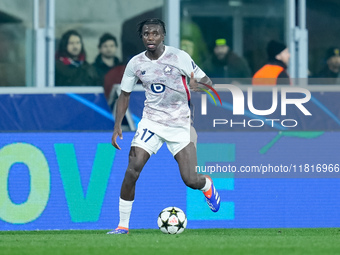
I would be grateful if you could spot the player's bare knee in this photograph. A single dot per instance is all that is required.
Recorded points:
(131, 174)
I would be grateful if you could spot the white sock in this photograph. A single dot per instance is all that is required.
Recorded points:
(125, 208)
(207, 185)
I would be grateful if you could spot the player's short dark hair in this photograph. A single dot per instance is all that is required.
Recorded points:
(153, 21)
(106, 37)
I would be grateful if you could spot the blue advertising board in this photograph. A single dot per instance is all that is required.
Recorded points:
(90, 112)
(72, 181)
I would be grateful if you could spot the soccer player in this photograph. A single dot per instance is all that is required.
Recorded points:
(164, 71)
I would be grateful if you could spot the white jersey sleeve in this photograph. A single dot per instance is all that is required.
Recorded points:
(187, 65)
(129, 79)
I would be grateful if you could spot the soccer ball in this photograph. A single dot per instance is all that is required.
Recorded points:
(172, 220)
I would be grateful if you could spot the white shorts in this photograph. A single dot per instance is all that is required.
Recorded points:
(151, 135)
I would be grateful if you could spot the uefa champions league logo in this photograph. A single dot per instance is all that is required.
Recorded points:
(239, 100)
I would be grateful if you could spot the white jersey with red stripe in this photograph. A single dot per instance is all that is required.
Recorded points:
(165, 83)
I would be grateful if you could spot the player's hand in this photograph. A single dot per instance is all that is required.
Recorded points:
(193, 84)
(116, 132)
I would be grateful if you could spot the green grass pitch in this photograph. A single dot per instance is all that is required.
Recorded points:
(191, 241)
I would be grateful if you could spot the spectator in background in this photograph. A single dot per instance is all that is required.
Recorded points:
(193, 41)
(331, 69)
(275, 71)
(112, 78)
(226, 64)
(188, 46)
(106, 58)
(71, 68)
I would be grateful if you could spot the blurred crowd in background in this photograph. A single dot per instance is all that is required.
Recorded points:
(240, 41)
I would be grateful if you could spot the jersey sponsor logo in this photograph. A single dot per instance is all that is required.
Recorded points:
(157, 88)
(193, 65)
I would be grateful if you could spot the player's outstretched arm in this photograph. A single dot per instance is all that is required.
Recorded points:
(122, 105)
(195, 84)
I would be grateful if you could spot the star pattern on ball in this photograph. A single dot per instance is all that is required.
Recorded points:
(180, 224)
(165, 224)
(173, 211)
